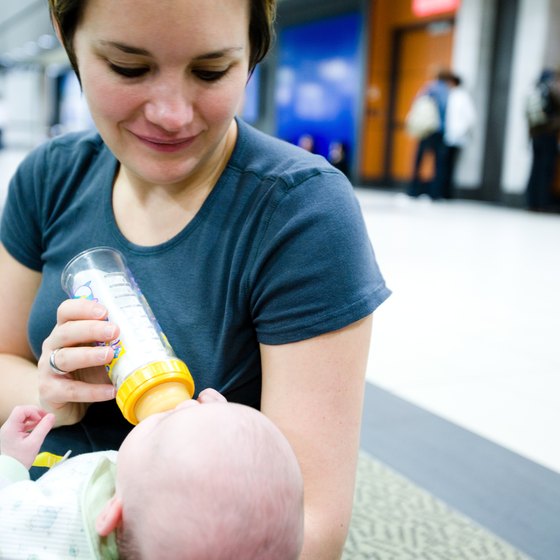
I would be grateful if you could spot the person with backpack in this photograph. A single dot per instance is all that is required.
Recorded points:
(435, 94)
(543, 119)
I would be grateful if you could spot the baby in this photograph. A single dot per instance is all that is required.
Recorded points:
(207, 480)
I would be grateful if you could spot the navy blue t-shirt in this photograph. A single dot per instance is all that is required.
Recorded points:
(277, 253)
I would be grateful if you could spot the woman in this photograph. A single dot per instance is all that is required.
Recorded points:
(252, 253)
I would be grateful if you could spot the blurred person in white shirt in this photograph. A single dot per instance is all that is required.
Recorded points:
(460, 118)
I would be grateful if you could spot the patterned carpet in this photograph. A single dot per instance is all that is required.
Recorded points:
(394, 519)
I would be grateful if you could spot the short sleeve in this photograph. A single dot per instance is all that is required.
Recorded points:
(316, 270)
(20, 229)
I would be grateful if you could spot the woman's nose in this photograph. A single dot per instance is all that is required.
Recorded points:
(169, 107)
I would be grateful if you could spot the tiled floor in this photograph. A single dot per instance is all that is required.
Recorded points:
(393, 519)
(471, 331)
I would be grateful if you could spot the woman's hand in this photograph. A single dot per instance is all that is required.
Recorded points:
(83, 378)
(23, 433)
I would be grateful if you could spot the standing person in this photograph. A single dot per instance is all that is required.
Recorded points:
(460, 117)
(252, 253)
(307, 143)
(438, 90)
(237, 479)
(543, 116)
(338, 157)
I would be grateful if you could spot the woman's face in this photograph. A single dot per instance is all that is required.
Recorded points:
(163, 81)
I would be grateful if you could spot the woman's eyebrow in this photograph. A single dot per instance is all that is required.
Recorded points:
(218, 54)
(128, 49)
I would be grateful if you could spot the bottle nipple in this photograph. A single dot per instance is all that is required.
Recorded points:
(156, 387)
(161, 398)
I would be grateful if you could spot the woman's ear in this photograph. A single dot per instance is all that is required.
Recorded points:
(109, 518)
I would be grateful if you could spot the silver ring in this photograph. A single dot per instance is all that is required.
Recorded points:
(52, 363)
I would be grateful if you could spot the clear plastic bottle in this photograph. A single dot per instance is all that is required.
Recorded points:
(145, 371)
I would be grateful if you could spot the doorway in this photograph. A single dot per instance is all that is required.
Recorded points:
(419, 53)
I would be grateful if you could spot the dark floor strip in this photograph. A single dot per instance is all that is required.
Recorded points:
(513, 497)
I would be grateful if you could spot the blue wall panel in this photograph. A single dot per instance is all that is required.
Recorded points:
(318, 81)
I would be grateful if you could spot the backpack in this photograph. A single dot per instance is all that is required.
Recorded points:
(423, 118)
(538, 106)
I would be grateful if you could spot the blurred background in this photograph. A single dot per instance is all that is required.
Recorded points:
(340, 72)
(463, 384)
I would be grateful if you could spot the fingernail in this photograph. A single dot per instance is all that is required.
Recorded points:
(110, 331)
(102, 353)
(98, 311)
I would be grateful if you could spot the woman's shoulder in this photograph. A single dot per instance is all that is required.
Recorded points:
(73, 145)
(273, 159)
(63, 157)
(63, 151)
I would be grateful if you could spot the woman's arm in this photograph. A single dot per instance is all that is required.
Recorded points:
(313, 390)
(22, 380)
(18, 372)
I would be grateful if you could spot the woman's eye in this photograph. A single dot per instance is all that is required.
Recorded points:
(209, 75)
(129, 71)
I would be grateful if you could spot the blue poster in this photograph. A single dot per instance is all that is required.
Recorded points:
(318, 83)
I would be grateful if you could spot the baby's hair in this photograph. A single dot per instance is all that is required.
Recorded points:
(240, 497)
(127, 545)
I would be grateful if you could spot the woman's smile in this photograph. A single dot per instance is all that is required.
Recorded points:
(166, 145)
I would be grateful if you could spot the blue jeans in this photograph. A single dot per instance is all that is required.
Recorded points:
(539, 188)
(432, 143)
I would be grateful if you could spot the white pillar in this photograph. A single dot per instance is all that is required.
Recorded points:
(472, 58)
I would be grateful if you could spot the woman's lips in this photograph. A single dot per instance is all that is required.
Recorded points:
(166, 145)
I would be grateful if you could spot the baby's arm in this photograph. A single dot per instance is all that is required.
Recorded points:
(23, 433)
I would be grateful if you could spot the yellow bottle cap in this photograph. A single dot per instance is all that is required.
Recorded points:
(155, 387)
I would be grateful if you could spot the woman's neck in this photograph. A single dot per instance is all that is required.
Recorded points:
(150, 214)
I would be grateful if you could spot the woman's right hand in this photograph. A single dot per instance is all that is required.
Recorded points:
(80, 325)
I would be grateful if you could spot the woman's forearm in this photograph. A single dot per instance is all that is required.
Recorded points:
(313, 391)
(323, 540)
(18, 383)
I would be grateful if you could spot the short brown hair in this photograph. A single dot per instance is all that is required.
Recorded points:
(66, 15)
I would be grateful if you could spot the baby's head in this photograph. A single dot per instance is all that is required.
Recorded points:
(212, 481)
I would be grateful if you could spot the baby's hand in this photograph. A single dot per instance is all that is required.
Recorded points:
(210, 395)
(204, 397)
(23, 433)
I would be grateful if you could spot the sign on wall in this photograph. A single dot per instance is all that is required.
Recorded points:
(424, 8)
(318, 83)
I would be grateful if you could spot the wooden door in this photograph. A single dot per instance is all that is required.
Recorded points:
(421, 53)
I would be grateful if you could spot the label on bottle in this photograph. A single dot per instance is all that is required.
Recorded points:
(141, 340)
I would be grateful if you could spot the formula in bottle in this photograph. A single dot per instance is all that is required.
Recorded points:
(145, 371)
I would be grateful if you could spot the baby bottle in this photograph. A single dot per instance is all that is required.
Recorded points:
(145, 371)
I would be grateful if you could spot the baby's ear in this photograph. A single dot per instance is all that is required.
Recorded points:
(109, 518)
